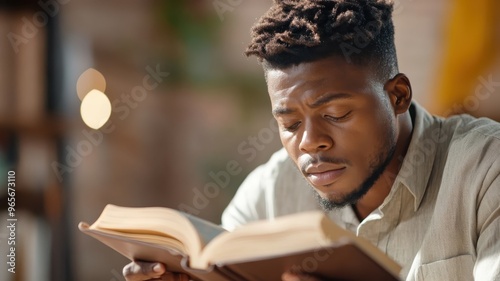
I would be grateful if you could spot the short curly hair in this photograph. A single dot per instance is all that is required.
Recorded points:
(297, 31)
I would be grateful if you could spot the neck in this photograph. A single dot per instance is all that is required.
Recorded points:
(381, 188)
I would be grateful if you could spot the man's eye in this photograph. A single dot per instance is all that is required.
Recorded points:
(293, 127)
(336, 119)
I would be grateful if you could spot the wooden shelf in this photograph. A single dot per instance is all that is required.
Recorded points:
(47, 127)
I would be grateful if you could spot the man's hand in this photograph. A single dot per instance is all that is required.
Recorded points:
(288, 276)
(144, 271)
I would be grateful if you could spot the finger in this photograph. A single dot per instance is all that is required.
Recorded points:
(287, 276)
(137, 271)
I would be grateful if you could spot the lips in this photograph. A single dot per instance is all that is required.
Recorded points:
(321, 176)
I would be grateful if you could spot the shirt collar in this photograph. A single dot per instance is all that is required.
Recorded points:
(417, 165)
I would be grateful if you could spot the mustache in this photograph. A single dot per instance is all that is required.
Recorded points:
(323, 159)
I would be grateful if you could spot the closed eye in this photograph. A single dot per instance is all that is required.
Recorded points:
(293, 127)
(340, 118)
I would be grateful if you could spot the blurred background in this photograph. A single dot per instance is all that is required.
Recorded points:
(187, 109)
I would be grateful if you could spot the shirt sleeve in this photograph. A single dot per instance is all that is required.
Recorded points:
(487, 266)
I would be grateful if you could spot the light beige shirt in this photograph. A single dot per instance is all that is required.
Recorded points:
(441, 220)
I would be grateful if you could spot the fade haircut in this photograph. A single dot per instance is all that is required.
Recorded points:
(297, 31)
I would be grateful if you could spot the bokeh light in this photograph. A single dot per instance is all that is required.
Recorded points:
(95, 109)
(89, 80)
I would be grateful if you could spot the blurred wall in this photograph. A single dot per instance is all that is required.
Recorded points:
(166, 148)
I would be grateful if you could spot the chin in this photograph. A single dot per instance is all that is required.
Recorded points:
(332, 192)
(329, 202)
(334, 196)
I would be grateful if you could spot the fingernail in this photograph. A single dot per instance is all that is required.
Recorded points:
(289, 277)
(157, 268)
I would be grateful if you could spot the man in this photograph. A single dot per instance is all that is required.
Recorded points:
(425, 190)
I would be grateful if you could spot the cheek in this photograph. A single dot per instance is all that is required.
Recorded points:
(364, 138)
(288, 142)
(291, 143)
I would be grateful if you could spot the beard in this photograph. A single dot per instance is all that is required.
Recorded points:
(377, 166)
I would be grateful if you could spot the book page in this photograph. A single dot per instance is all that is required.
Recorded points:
(153, 221)
(268, 238)
(206, 230)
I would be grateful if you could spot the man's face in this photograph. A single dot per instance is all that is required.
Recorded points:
(336, 123)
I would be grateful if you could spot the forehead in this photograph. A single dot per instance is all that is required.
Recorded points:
(329, 74)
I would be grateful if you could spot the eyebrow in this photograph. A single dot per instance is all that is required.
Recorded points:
(282, 111)
(317, 103)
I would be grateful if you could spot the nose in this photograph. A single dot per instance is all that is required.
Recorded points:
(314, 139)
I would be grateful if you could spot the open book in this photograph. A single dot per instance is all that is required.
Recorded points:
(306, 242)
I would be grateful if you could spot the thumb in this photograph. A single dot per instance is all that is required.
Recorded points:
(158, 268)
(138, 269)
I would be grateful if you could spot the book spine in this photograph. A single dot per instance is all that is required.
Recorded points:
(209, 274)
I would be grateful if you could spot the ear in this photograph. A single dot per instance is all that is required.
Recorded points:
(400, 94)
